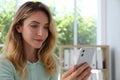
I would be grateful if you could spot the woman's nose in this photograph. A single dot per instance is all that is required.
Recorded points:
(40, 31)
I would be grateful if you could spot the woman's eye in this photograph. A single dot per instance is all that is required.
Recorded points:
(34, 26)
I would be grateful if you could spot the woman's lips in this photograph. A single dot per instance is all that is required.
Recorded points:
(39, 40)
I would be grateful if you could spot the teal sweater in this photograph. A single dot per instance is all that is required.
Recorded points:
(36, 71)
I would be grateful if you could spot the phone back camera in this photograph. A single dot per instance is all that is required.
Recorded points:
(82, 54)
(83, 50)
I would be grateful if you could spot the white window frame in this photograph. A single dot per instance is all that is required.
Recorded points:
(101, 25)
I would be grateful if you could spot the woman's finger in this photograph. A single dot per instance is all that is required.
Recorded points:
(82, 68)
(86, 77)
(69, 72)
(85, 74)
(79, 70)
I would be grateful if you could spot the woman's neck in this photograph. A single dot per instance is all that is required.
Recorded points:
(31, 54)
(32, 57)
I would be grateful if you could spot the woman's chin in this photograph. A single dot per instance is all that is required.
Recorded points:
(37, 47)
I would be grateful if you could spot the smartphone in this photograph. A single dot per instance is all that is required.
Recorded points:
(87, 54)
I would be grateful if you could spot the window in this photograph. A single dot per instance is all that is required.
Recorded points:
(86, 15)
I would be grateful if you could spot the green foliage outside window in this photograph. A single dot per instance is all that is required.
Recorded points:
(7, 10)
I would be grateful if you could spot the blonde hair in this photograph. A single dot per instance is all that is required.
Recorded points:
(13, 47)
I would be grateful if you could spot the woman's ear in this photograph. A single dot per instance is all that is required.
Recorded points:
(19, 28)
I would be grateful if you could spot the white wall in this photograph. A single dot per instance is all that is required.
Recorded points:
(113, 36)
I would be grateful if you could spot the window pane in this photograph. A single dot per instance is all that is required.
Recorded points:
(7, 8)
(87, 21)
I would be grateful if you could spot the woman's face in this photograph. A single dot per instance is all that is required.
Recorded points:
(35, 29)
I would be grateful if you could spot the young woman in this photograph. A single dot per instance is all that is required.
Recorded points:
(29, 46)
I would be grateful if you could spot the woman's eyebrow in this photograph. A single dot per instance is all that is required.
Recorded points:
(38, 22)
(35, 22)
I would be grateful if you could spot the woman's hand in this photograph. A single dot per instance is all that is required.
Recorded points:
(82, 73)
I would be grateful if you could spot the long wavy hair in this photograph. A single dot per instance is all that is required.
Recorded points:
(13, 47)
